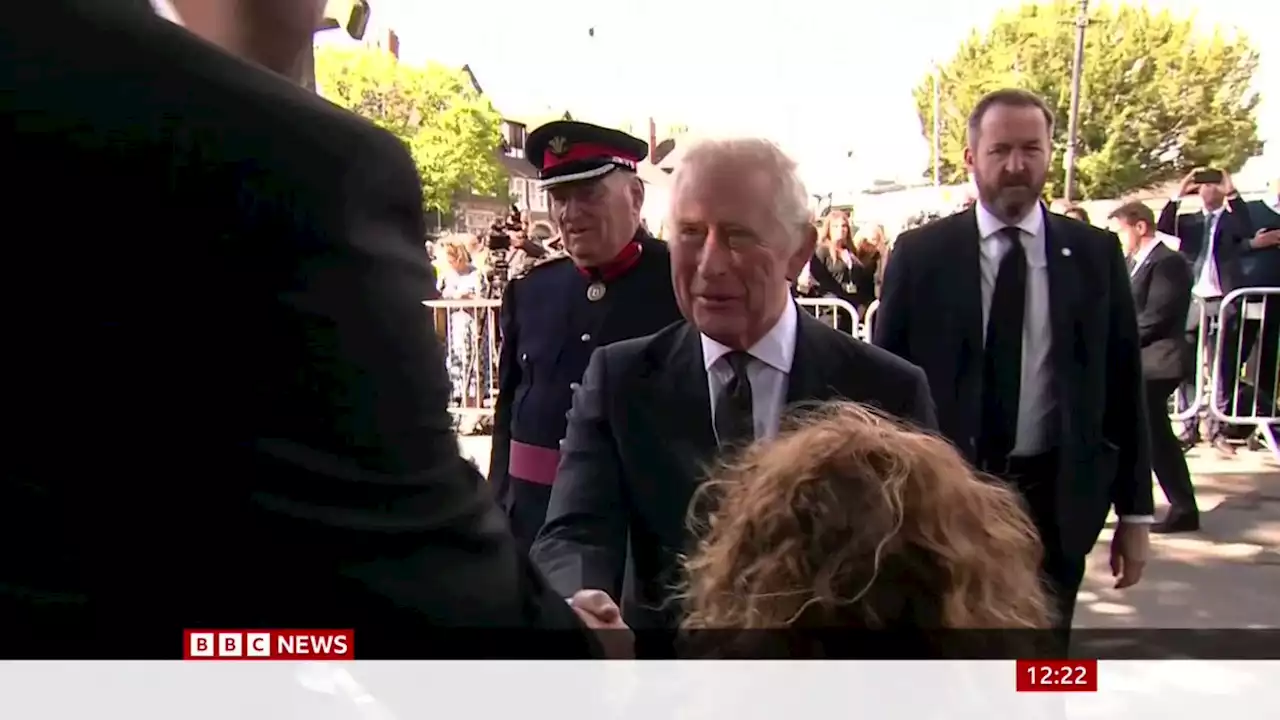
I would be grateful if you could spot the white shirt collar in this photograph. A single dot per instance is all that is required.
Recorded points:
(166, 10)
(1213, 214)
(1170, 241)
(776, 349)
(988, 224)
(1144, 251)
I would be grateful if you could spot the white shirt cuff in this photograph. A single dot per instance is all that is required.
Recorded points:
(1175, 200)
(1138, 519)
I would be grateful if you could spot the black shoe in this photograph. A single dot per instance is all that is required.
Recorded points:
(1177, 522)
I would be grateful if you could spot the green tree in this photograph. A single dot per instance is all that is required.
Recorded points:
(1158, 95)
(451, 130)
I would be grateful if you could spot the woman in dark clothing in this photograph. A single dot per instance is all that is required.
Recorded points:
(834, 271)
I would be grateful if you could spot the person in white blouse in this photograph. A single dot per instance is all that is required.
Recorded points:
(653, 414)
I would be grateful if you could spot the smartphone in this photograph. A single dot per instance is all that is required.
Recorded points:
(1207, 177)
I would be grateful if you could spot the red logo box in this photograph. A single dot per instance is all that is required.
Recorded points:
(1057, 676)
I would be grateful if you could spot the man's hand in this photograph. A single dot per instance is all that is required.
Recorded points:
(1188, 184)
(1129, 549)
(599, 612)
(1266, 238)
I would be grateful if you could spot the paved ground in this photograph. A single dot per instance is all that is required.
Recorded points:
(1225, 576)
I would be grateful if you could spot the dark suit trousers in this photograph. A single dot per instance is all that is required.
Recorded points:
(1036, 478)
(1167, 460)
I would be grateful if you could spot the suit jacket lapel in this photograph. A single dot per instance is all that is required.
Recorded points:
(1141, 272)
(682, 401)
(807, 381)
(1064, 284)
(968, 295)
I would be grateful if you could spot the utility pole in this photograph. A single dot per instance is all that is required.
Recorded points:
(937, 125)
(1073, 124)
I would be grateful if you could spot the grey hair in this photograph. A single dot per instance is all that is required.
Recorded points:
(790, 204)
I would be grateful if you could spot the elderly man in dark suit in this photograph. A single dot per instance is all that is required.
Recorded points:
(235, 415)
(653, 413)
(1023, 322)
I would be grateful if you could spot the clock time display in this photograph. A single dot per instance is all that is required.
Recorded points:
(1057, 676)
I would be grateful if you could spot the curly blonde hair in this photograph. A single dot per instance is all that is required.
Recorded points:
(850, 520)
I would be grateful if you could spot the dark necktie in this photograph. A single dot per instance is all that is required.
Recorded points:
(1129, 263)
(1206, 247)
(1002, 357)
(735, 423)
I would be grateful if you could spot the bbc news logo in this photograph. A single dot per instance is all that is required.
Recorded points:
(268, 645)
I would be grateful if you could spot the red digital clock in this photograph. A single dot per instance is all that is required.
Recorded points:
(1057, 676)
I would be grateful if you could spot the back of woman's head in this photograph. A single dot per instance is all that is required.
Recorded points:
(850, 520)
(457, 249)
(869, 242)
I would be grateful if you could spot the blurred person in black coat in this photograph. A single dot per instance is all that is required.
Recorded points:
(1261, 268)
(235, 415)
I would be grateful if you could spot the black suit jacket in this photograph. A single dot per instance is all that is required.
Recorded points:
(930, 314)
(1260, 267)
(640, 440)
(229, 407)
(1231, 239)
(1161, 288)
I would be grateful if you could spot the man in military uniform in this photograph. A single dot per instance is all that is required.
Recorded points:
(612, 283)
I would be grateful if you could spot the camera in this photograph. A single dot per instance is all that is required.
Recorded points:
(501, 229)
(499, 243)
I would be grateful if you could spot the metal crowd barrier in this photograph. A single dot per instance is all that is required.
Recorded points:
(837, 313)
(868, 319)
(469, 332)
(1245, 366)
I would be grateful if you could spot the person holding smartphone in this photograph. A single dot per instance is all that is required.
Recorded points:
(1213, 241)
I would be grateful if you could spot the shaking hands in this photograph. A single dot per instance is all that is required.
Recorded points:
(601, 614)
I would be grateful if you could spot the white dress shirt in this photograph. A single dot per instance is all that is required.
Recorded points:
(166, 10)
(1172, 241)
(1035, 398)
(1208, 285)
(768, 371)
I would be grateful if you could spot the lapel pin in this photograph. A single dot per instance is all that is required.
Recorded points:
(1066, 252)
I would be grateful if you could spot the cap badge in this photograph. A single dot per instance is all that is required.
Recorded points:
(558, 145)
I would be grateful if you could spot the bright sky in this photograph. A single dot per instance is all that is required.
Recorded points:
(819, 77)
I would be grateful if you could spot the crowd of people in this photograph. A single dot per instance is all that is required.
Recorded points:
(677, 446)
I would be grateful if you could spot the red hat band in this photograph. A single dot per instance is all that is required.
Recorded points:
(586, 151)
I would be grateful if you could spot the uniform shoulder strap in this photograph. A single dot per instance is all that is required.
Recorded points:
(549, 259)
